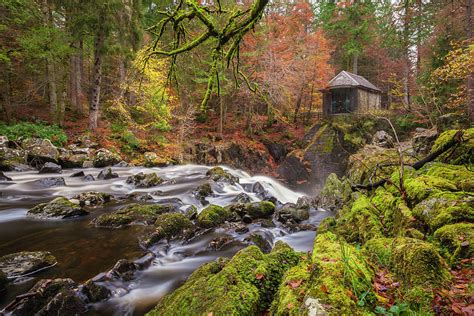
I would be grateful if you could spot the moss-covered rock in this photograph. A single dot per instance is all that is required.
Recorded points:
(141, 180)
(292, 214)
(169, 226)
(92, 198)
(460, 175)
(26, 262)
(461, 154)
(456, 241)
(202, 191)
(414, 262)
(336, 275)
(243, 285)
(133, 214)
(263, 209)
(445, 208)
(335, 193)
(219, 174)
(214, 215)
(60, 207)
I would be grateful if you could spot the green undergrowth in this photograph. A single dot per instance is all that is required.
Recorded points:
(31, 130)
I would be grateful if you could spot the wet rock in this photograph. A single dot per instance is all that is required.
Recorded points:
(94, 292)
(335, 193)
(3, 141)
(263, 209)
(50, 182)
(141, 180)
(11, 158)
(124, 270)
(220, 242)
(69, 159)
(241, 198)
(290, 213)
(170, 226)
(260, 241)
(36, 300)
(266, 223)
(104, 158)
(92, 198)
(423, 139)
(214, 215)
(139, 196)
(133, 214)
(87, 164)
(24, 263)
(3, 177)
(66, 302)
(246, 219)
(122, 164)
(22, 168)
(60, 208)
(3, 282)
(40, 151)
(191, 212)
(277, 151)
(107, 174)
(89, 178)
(78, 174)
(219, 174)
(50, 167)
(382, 139)
(202, 191)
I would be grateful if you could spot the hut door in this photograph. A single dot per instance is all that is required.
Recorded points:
(341, 101)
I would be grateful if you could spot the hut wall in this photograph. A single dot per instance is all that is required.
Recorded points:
(368, 100)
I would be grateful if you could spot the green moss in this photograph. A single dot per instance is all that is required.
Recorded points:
(414, 262)
(60, 207)
(242, 286)
(335, 193)
(213, 216)
(462, 154)
(460, 175)
(327, 225)
(169, 226)
(219, 174)
(419, 299)
(456, 241)
(445, 208)
(133, 213)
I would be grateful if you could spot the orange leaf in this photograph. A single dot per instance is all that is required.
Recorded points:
(295, 284)
(259, 276)
(324, 288)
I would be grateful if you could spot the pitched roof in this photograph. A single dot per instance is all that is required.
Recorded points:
(345, 78)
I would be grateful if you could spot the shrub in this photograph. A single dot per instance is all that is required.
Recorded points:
(28, 130)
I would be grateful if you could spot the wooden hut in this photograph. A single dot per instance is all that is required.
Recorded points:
(350, 93)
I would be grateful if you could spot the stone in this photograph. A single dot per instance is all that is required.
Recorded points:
(150, 159)
(94, 292)
(202, 191)
(133, 214)
(124, 270)
(247, 219)
(78, 174)
(66, 302)
(277, 151)
(69, 159)
(104, 158)
(242, 198)
(220, 242)
(88, 164)
(24, 263)
(3, 177)
(122, 164)
(382, 139)
(92, 198)
(60, 208)
(169, 226)
(50, 182)
(423, 139)
(50, 167)
(3, 141)
(89, 178)
(107, 174)
(260, 241)
(219, 174)
(11, 158)
(290, 213)
(40, 151)
(141, 180)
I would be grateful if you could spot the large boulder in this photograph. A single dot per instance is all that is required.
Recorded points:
(60, 208)
(219, 174)
(151, 159)
(456, 241)
(72, 159)
(141, 180)
(10, 158)
(40, 151)
(25, 263)
(276, 150)
(291, 213)
(243, 285)
(382, 139)
(214, 215)
(50, 182)
(50, 167)
(423, 139)
(170, 226)
(92, 198)
(133, 214)
(335, 193)
(104, 158)
(263, 209)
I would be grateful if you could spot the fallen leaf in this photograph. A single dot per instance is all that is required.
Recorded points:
(259, 276)
(324, 288)
(295, 284)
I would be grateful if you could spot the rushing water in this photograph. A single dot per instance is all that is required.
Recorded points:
(84, 251)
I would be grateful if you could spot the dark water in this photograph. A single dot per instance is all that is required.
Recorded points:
(84, 251)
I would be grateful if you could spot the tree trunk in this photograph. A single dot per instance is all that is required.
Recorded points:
(50, 69)
(470, 75)
(298, 104)
(355, 63)
(97, 78)
(406, 44)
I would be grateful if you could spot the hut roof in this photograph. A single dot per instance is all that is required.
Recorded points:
(345, 79)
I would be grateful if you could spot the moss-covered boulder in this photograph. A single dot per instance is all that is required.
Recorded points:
(462, 154)
(169, 226)
(214, 215)
(133, 214)
(244, 285)
(60, 208)
(202, 191)
(92, 198)
(414, 262)
(335, 193)
(292, 213)
(456, 241)
(219, 174)
(26, 262)
(141, 180)
(104, 157)
(460, 175)
(263, 209)
(336, 276)
(445, 208)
